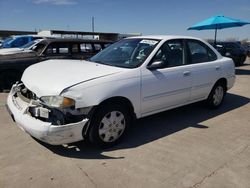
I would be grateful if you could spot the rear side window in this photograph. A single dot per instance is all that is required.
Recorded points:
(199, 52)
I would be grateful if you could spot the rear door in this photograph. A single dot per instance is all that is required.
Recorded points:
(206, 69)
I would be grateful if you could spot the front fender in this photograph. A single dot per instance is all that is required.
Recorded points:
(93, 93)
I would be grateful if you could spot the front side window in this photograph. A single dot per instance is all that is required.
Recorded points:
(38, 47)
(52, 49)
(171, 54)
(128, 53)
(199, 52)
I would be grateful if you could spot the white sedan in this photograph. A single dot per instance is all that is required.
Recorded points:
(63, 101)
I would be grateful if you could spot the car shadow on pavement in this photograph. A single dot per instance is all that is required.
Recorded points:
(154, 127)
(242, 72)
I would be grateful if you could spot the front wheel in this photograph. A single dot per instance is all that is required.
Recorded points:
(109, 125)
(216, 96)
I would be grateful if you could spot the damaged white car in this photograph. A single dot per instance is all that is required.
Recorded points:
(63, 101)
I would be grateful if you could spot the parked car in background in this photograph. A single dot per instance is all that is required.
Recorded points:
(63, 101)
(25, 48)
(20, 40)
(12, 64)
(233, 50)
(1, 42)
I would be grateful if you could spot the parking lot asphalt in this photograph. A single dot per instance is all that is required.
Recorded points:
(191, 146)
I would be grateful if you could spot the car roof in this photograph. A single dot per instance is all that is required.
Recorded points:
(165, 37)
(75, 40)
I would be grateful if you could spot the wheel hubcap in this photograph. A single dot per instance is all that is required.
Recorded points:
(218, 95)
(112, 126)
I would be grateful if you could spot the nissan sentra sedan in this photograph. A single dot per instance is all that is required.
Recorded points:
(64, 101)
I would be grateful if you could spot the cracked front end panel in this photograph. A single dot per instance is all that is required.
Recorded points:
(50, 125)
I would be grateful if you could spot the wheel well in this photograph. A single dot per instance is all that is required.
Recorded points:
(222, 81)
(121, 101)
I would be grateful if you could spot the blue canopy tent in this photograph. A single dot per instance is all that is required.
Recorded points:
(218, 22)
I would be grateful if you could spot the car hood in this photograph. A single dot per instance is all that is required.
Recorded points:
(53, 76)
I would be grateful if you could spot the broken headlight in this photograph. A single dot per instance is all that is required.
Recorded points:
(58, 101)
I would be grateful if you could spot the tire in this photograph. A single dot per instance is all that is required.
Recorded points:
(109, 125)
(216, 96)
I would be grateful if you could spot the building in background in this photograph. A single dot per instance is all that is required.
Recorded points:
(70, 34)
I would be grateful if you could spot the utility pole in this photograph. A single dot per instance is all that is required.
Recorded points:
(93, 26)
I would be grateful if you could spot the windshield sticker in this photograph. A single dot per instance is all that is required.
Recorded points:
(149, 42)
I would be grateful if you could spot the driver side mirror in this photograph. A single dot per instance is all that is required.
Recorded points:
(156, 65)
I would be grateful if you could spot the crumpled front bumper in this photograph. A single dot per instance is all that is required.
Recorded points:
(44, 131)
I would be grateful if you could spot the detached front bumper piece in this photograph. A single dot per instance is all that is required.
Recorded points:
(44, 131)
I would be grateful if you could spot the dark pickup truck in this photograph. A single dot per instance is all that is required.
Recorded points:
(13, 65)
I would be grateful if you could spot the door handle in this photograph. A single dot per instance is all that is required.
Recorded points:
(217, 68)
(186, 73)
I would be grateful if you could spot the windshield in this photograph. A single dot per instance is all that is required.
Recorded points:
(128, 53)
(7, 41)
(29, 44)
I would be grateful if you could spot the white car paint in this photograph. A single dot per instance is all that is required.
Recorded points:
(55, 70)
(90, 83)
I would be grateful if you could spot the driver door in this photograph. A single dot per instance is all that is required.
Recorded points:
(170, 85)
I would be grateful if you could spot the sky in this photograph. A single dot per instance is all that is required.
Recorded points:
(149, 17)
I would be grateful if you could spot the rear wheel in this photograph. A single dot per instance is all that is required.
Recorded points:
(109, 125)
(216, 96)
